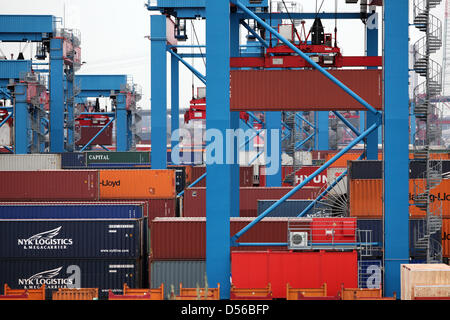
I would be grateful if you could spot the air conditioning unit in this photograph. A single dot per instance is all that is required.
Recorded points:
(298, 240)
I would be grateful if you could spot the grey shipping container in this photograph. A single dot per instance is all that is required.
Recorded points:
(190, 273)
(26, 162)
(72, 238)
(288, 208)
(104, 274)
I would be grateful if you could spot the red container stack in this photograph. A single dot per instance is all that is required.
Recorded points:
(245, 176)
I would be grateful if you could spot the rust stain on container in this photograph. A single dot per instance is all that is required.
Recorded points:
(137, 184)
(307, 90)
(49, 185)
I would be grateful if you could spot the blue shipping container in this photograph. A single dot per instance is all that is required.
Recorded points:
(72, 238)
(288, 208)
(70, 211)
(104, 274)
(73, 160)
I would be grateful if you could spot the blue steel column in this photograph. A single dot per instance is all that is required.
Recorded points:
(372, 50)
(219, 183)
(121, 123)
(235, 123)
(322, 130)
(158, 92)
(56, 96)
(70, 106)
(396, 138)
(175, 96)
(21, 119)
(273, 122)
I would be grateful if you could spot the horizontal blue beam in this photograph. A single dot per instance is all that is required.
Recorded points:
(285, 244)
(98, 83)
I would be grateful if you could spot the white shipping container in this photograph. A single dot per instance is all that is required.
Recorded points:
(30, 162)
(6, 135)
(332, 175)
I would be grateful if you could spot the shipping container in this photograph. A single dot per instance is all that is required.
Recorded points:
(49, 185)
(72, 238)
(30, 162)
(185, 238)
(195, 199)
(445, 238)
(72, 210)
(165, 208)
(191, 273)
(253, 269)
(301, 174)
(276, 90)
(116, 157)
(104, 274)
(137, 184)
(288, 208)
(88, 132)
(373, 169)
(245, 176)
(365, 197)
(73, 160)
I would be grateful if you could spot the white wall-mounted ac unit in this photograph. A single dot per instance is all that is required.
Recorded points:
(298, 240)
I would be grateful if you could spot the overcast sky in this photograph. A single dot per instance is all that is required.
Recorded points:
(113, 36)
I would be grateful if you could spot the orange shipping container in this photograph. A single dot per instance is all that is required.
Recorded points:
(365, 197)
(342, 161)
(137, 184)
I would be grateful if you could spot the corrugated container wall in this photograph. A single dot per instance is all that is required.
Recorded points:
(288, 208)
(104, 274)
(245, 176)
(365, 197)
(171, 273)
(73, 160)
(185, 238)
(49, 185)
(29, 162)
(59, 239)
(276, 90)
(137, 184)
(78, 210)
(195, 199)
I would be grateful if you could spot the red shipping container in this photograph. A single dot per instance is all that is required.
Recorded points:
(185, 238)
(307, 90)
(253, 269)
(245, 176)
(49, 185)
(195, 199)
(301, 174)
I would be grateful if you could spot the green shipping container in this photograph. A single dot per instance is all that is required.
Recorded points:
(117, 157)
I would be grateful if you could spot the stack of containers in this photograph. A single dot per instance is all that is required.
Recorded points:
(195, 199)
(81, 253)
(245, 176)
(301, 174)
(129, 164)
(178, 247)
(365, 191)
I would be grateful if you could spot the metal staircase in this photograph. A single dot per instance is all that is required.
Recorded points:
(424, 94)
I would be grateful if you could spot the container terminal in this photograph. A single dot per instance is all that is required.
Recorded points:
(225, 150)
